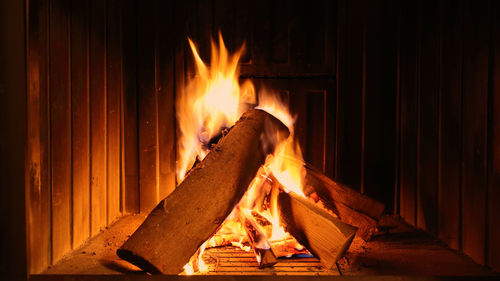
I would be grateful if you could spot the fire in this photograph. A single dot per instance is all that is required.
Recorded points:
(286, 164)
(213, 101)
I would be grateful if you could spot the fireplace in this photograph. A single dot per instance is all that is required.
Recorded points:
(394, 102)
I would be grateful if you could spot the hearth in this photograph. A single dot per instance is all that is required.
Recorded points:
(250, 138)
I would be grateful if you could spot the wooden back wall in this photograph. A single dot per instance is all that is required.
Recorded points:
(75, 124)
(448, 146)
(395, 99)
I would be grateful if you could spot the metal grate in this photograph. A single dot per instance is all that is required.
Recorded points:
(234, 261)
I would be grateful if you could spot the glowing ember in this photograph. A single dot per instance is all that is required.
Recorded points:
(214, 100)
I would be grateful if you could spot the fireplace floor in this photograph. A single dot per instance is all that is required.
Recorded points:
(398, 250)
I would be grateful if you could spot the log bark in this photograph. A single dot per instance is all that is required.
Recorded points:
(179, 224)
(323, 235)
(258, 242)
(329, 190)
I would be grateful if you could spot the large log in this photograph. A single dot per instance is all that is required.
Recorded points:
(180, 223)
(329, 190)
(322, 234)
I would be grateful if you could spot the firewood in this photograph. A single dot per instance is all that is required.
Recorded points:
(329, 190)
(322, 234)
(365, 224)
(183, 221)
(257, 238)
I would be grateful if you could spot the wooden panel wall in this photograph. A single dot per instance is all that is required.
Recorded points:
(447, 77)
(75, 78)
(425, 74)
(156, 85)
(366, 100)
(395, 99)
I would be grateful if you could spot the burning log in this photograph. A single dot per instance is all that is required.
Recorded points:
(258, 241)
(365, 224)
(183, 221)
(328, 190)
(351, 206)
(322, 234)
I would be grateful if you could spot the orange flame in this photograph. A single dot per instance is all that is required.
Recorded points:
(286, 164)
(213, 100)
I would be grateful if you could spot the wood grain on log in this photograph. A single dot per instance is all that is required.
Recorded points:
(329, 190)
(180, 223)
(322, 234)
(321, 190)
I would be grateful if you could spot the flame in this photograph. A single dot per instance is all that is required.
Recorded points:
(286, 164)
(196, 263)
(214, 100)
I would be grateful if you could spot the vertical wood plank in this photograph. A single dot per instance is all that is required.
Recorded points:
(331, 29)
(80, 121)
(179, 56)
(224, 22)
(262, 30)
(388, 99)
(475, 100)
(330, 106)
(494, 147)
(60, 112)
(204, 28)
(450, 126)
(408, 112)
(315, 23)
(166, 98)
(315, 149)
(349, 97)
(397, 139)
(190, 28)
(38, 215)
(242, 24)
(429, 106)
(279, 40)
(130, 188)
(148, 145)
(298, 32)
(98, 134)
(379, 104)
(113, 91)
(373, 124)
(299, 108)
(341, 67)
